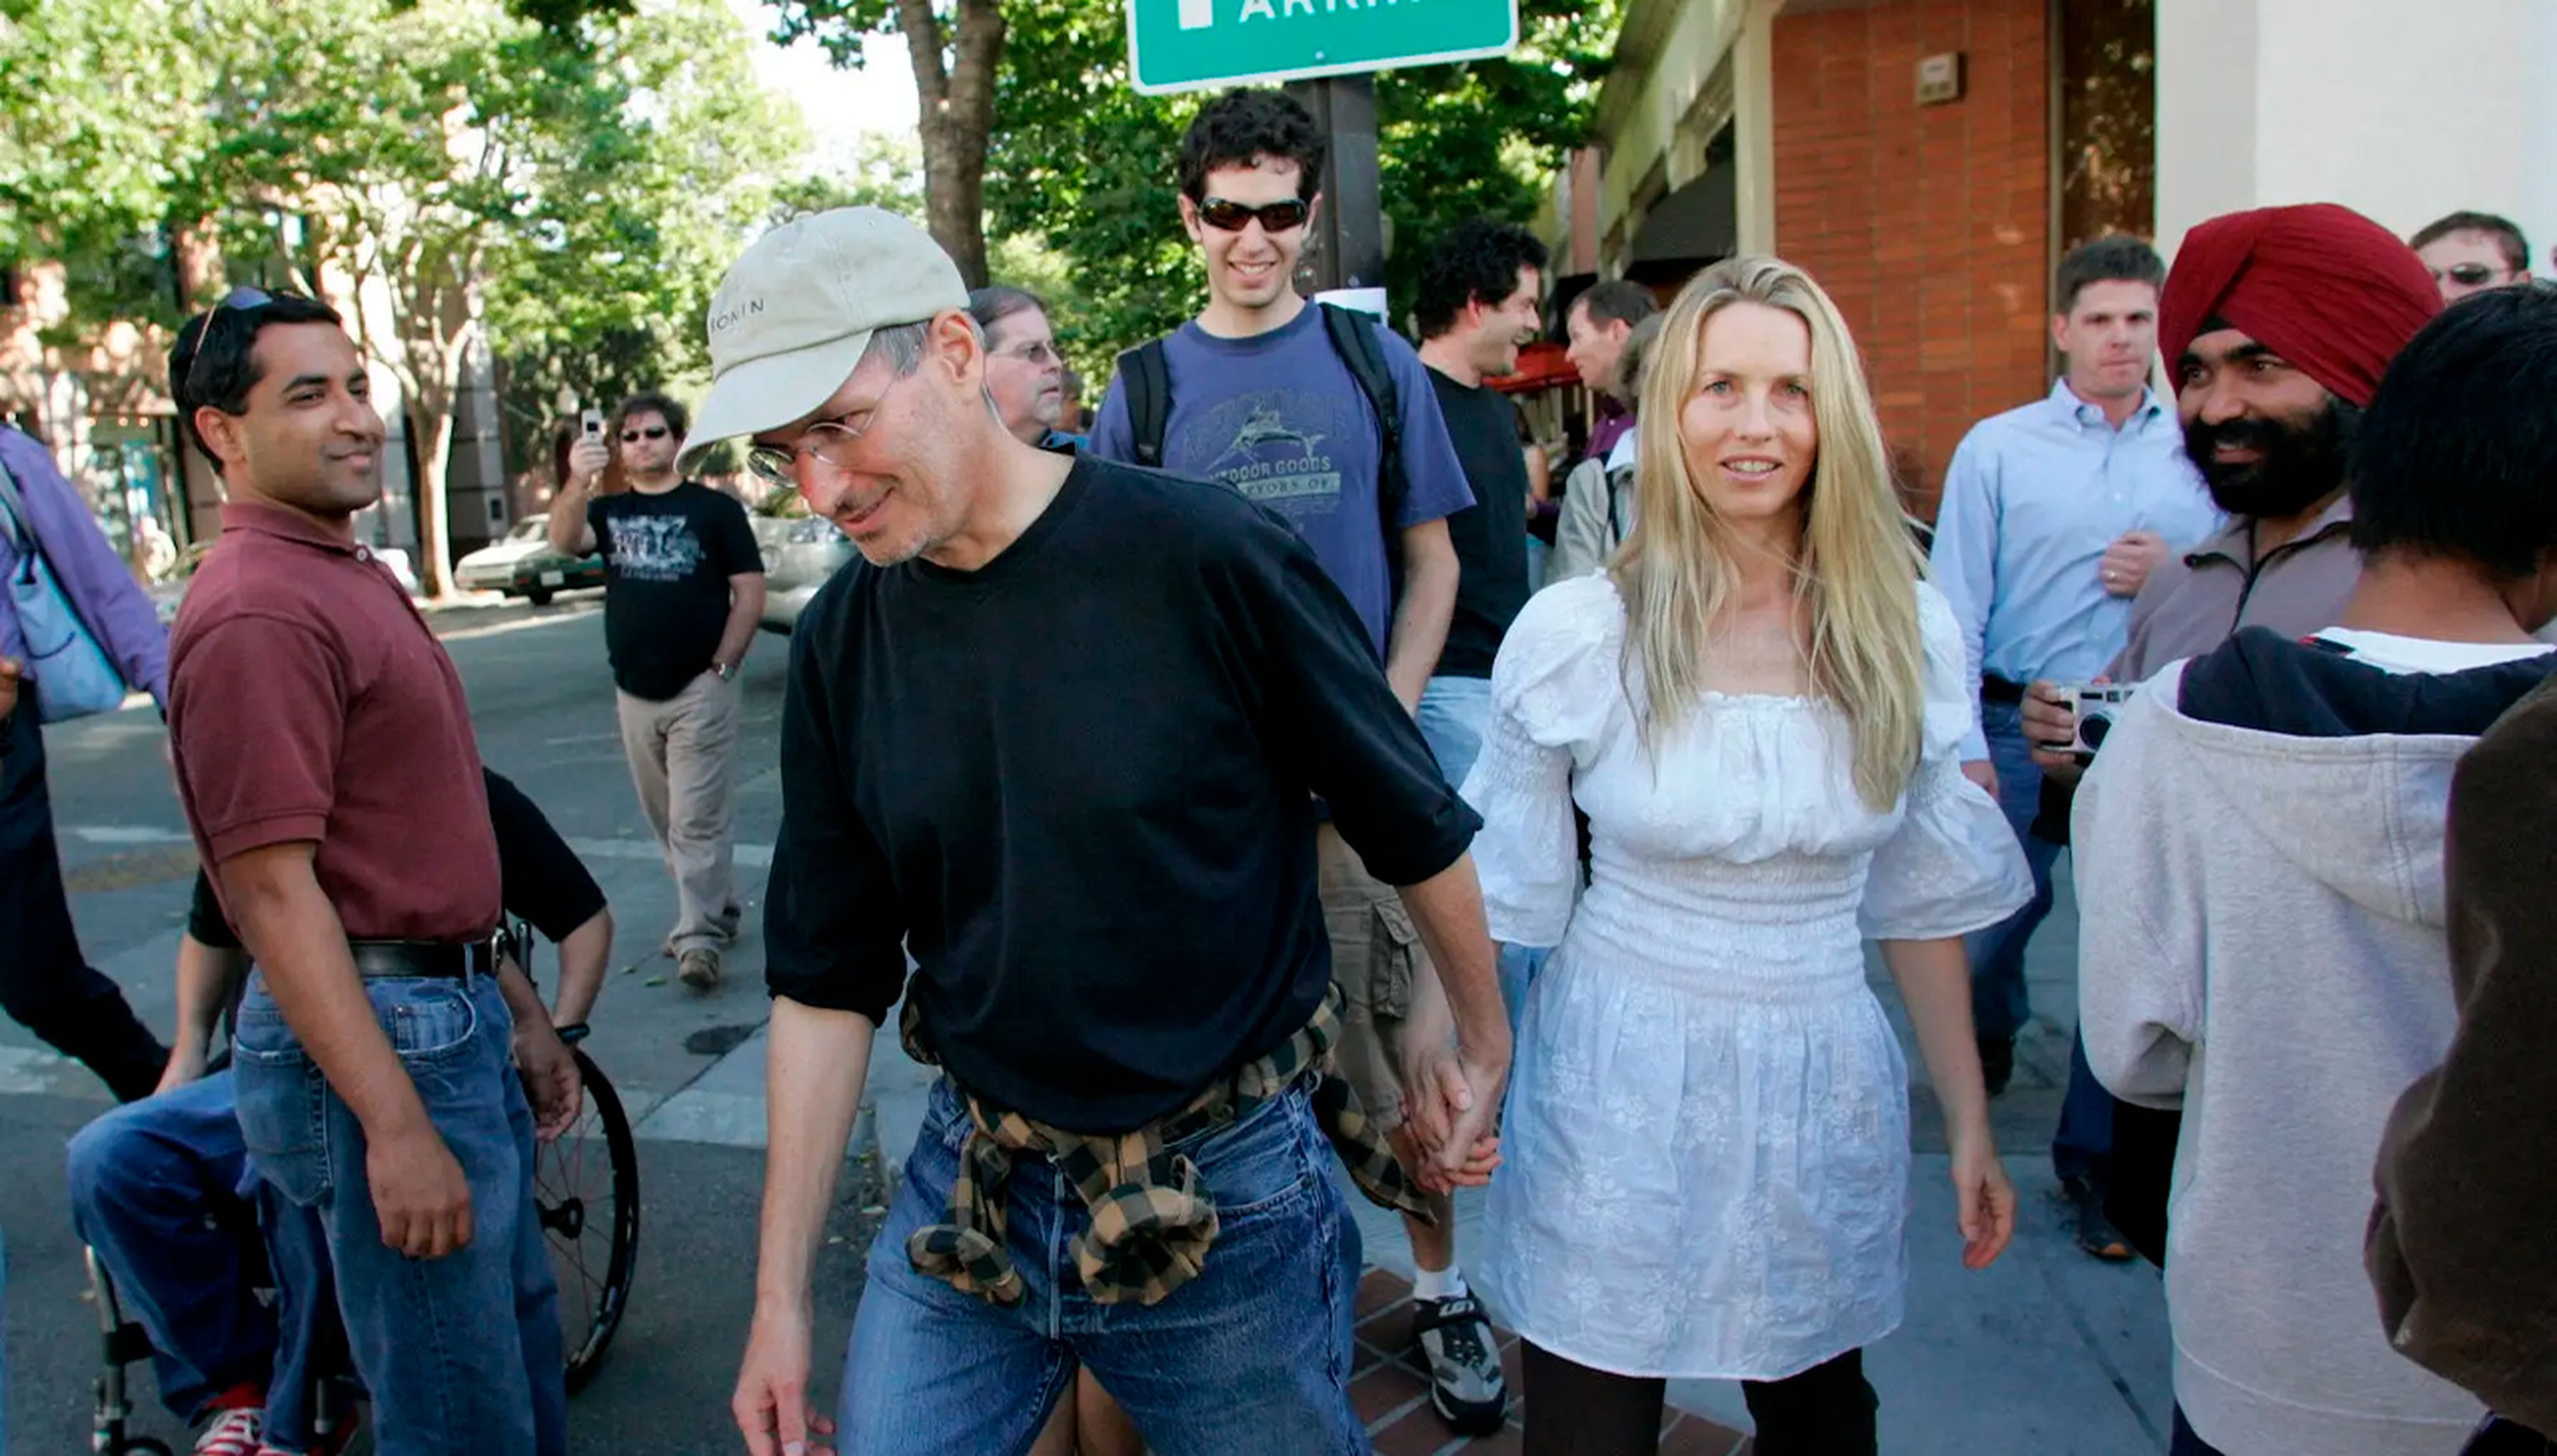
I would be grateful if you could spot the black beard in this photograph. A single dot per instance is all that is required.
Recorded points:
(2302, 462)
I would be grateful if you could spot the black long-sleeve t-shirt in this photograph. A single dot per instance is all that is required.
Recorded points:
(1078, 783)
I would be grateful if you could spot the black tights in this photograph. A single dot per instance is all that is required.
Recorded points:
(1573, 1410)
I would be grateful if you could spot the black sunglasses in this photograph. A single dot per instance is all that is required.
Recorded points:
(1227, 216)
(653, 432)
(239, 299)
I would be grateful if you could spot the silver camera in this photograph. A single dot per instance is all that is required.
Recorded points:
(2096, 707)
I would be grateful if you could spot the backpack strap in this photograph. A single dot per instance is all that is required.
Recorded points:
(1353, 335)
(1354, 338)
(1150, 399)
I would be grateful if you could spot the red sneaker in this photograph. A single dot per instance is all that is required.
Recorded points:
(234, 1432)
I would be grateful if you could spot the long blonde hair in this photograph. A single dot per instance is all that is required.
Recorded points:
(1859, 564)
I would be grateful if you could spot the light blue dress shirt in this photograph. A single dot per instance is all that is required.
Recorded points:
(2030, 502)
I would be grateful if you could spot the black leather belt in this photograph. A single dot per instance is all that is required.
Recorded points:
(1995, 689)
(424, 959)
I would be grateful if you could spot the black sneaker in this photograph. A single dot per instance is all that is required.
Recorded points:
(1465, 1381)
(2095, 1233)
(1997, 1062)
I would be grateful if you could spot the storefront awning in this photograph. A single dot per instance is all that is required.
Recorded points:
(1541, 366)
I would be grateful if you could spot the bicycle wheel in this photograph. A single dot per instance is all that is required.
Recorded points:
(587, 1184)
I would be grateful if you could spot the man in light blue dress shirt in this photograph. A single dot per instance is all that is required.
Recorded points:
(2052, 516)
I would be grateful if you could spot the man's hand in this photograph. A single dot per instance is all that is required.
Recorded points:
(185, 1064)
(588, 459)
(771, 1401)
(2050, 726)
(1982, 773)
(2129, 560)
(418, 1194)
(10, 671)
(550, 1078)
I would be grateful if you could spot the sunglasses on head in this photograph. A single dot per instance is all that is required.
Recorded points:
(238, 301)
(1227, 216)
(2467, 275)
(653, 432)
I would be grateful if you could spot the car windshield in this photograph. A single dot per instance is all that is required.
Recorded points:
(530, 528)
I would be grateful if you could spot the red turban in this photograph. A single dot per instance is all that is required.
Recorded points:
(2323, 286)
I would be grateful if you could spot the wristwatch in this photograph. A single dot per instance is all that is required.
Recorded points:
(727, 671)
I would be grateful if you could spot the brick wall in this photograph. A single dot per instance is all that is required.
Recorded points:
(1929, 225)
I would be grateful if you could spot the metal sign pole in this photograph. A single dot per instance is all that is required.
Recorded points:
(1349, 235)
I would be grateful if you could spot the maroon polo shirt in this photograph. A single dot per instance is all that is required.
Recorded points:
(307, 701)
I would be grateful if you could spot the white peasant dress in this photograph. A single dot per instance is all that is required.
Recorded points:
(1706, 1141)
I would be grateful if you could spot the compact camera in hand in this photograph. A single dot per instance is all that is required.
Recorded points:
(2095, 705)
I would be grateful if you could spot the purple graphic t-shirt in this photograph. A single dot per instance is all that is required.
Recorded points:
(1282, 420)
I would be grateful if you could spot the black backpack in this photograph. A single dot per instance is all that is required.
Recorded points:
(1148, 381)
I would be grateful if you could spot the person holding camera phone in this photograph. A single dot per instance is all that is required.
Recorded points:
(2052, 516)
(2259, 851)
(2274, 347)
(682, 597)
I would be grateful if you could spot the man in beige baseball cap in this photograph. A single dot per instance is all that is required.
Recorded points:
(1061, 734)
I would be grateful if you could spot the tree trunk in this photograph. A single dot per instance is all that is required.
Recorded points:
(430, 416)
(956, 100)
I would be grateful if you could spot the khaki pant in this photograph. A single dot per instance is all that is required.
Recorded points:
(1376, 953)
(683, 757)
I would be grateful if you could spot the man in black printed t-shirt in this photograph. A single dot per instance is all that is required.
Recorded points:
(683, 592)
(1059, 734)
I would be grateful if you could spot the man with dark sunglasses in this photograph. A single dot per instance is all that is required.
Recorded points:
(2471, 252)
(683, 591)
(1330, 421)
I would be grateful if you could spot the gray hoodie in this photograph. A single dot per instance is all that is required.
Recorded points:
(2261, 942)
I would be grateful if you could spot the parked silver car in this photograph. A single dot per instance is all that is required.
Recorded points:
(800, 551)
(523, 565)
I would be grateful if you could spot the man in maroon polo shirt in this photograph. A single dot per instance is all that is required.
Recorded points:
(325, 761)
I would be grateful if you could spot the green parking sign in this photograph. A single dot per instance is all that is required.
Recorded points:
(1188, 44)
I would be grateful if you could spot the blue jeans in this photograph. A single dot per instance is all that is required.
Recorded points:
(159, 1188)
(2000, 1004)
(1455, 713)
(1250, 1358)
(461, 1353)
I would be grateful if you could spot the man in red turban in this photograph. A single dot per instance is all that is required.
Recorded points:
(2276, 325)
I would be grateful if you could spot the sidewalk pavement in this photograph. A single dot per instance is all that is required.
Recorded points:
(2047, 1351)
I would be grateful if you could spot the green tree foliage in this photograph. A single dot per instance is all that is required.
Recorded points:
(564, 199)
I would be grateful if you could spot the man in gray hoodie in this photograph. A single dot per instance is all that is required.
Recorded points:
(2259, 876)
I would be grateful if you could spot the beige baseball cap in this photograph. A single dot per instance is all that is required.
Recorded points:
(793, 317)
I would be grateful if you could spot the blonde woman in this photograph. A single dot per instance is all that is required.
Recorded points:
(1758, 704)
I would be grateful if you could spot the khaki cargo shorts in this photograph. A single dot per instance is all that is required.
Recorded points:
(1375, 954)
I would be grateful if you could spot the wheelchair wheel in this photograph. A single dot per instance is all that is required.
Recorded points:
(587, 1184)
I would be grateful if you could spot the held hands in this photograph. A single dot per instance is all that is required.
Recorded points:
(550, 1076)
(418, 1194)
(2129, 560)
(11, 670)
(1452, 1099)
(1984, 1200)
(771, 1401)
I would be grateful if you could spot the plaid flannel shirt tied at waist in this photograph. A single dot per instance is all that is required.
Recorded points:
(1153, 1221)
